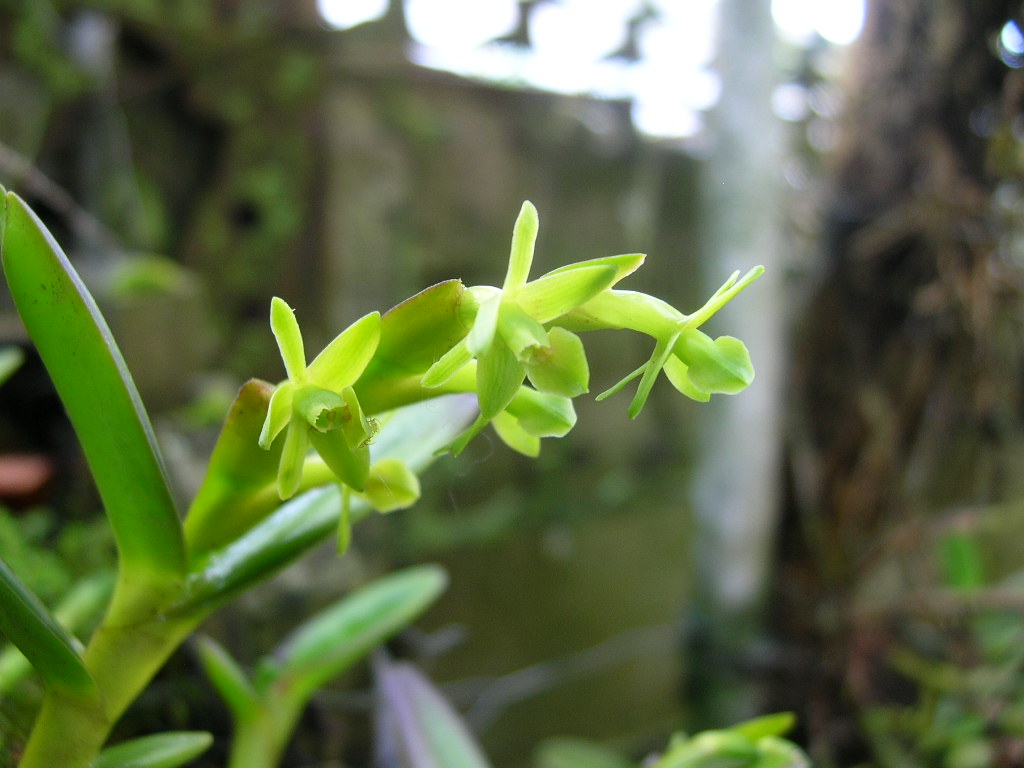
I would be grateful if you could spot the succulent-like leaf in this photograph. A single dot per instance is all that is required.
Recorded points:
(228, 678)
(52, 651)
(336, 638)
(418, 728)
(163, 750)
(100, 398)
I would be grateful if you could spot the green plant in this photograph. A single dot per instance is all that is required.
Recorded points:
(361, 404)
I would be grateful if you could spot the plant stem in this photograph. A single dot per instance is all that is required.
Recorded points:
(260, 738)
(122, 659)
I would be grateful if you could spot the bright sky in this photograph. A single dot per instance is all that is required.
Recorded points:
(670, 85)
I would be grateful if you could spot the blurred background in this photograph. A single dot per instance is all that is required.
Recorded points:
(842, 540)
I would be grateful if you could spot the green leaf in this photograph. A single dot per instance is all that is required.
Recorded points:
(289, 339)
(413, 335)
(776, 724)
(419, 727)
(52, 651)
(162, 750)
(344, 359)
(223, 508)
(11, 359)
(553, 295)
(561, 368)
(228, 678)
(330, 643)
(578, 753)
(90, 376)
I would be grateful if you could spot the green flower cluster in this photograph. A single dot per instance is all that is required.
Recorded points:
(527, 330)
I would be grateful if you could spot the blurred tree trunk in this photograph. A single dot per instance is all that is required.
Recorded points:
(906, 377)
(736, 482)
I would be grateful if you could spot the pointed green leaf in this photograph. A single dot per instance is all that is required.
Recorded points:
(423, 730)
(524, 237)
(52, 651)
(561, 368)
(237, 473)
(330, 643)
(499, 376)
(163, 750)
(100, 398)
(392, 485)
(514, 436)
(447, 366)
(344, 359)
(351, 466)
(413, 335)
(289, 339)
(228, 678)
(578, 753)
(555, 294)
(777, 724)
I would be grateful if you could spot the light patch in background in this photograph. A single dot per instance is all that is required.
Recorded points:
(837, 21)
(343, 14)
(459, 24)
(574, 43)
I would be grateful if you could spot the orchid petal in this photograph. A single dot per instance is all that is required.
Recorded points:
(447, 366)
(521, 333)
(541, 414)
(678, 373)
(321, 408)
(514, 436)
(561, 367)
(392, 485)
(624, 265)
(289, 339)
(524, 237)
(359, 430)
(344, 359)
(481, 335)
(498, 377)
(662, 352)
(278, 413)
(293, 456)
(555, 294)
(715, 365)
(352, 467)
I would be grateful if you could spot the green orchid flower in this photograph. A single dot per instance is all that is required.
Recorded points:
(317, 404)
(511, 338)
(695, 364)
